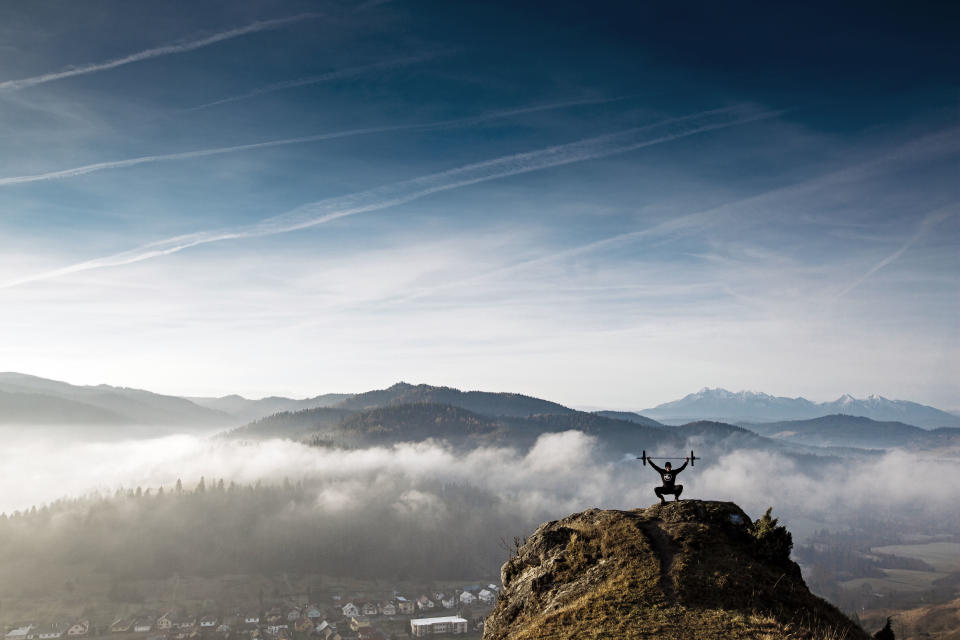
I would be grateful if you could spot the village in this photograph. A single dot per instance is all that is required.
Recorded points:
(459, 612)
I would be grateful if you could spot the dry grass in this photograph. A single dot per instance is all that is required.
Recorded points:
(603, 578)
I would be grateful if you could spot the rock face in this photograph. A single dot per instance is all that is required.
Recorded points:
(684, 570)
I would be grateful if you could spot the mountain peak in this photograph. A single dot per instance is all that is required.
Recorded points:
(693, 569)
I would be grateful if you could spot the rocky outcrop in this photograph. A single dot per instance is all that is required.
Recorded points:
(690, 570)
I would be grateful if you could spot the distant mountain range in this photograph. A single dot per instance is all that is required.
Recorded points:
(405, 411)
(30, 400)
(748, 406)
(248, 410)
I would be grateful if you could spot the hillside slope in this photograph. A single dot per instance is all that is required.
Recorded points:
(689, 570)
(630, 416)
(41, 401)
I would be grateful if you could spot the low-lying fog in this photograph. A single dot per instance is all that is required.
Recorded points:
(562, 473)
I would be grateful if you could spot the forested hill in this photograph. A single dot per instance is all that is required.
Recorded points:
(291, 425)
(843, 430)
(464, 430)
(455, 426)
(482, 402)
(219, 529)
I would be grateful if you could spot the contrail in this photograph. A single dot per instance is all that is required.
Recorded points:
(323, 211)
(316, 79)
(262, 25)
(932, 219)
(169, 157)
(199, 153)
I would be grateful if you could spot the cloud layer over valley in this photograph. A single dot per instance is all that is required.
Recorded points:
(561, 473)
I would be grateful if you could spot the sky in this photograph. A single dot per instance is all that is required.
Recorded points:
(604, 204)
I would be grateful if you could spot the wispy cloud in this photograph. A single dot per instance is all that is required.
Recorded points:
(330, 76)
(921, 149)
(156, 52)
(323, 211)
(73, 172)
(930, 220)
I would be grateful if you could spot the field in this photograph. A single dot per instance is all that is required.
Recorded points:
(897, 580)
(943, 556)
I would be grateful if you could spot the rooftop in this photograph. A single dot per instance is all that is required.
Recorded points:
(425, 621)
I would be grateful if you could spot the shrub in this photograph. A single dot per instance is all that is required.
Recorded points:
(774, 542)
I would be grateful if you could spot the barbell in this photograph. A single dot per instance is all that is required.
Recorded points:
(645, 457)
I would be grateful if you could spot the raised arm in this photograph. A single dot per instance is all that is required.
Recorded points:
(682, 467)
(654, 465)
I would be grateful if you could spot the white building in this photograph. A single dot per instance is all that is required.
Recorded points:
(20, 633)
(467, 598)
(428, 626)
(486, 596)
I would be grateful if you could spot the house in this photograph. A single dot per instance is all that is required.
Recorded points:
(359, 622)
(388, 608)
(449, 602)
(251, 618)
(349, 610)
(48, 632)
(493, 587)
(314, 613)
(371, 634)
(303, 625)
(369, 609)
(467, 598)
(20, 633)
(80, 628)
(486, 596)
(424, 603)
(121, 625)
(185, 623)
(224, 628)
(293, 614)
(208, 622)
(429, 626)
(275, 615)
(164, 622)
(276, 628)
(143, 625)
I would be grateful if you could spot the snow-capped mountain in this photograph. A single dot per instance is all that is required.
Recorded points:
(750, 406)
(880, 408)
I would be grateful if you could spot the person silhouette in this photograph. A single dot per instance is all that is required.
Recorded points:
(669, 478)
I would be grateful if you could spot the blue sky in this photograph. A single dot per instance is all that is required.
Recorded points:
(607, 204)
